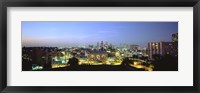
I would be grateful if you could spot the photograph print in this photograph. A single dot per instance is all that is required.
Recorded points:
(99, 46)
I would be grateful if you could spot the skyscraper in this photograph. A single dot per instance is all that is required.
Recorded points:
(175, 37)
(101, 44)
(162, 48)
(98, 47)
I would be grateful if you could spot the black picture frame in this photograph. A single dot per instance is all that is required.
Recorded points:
(100, 3)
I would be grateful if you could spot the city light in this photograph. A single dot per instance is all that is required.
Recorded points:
(100, 46)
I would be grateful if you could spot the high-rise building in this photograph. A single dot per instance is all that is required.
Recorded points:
(162, 48)
(39, 56)
(106, 43)
(175, 37)
(98, 46)
(101, 44)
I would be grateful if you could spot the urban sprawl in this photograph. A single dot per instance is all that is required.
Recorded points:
(157, 56)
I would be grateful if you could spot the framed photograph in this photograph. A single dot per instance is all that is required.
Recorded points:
(99, 46)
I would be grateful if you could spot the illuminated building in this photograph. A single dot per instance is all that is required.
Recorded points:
(97, 56)
(106, 44)
(59, 59)
(175, 37)
(101, 44)
(134, 47)
(40, 56)
(117, 54)
(98, 46)
(162, 48)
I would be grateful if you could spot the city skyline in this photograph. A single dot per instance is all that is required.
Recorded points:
(73, 34)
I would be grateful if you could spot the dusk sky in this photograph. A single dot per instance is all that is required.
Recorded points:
(71, 34)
